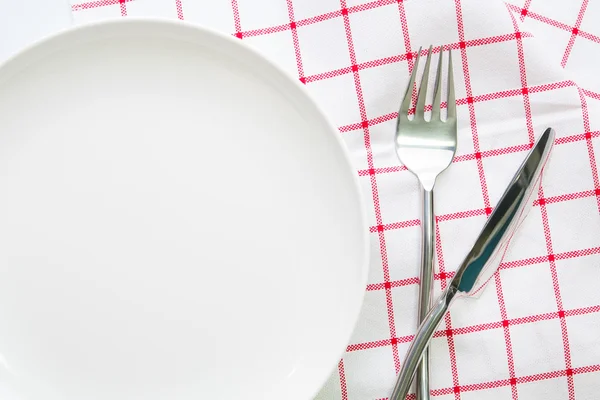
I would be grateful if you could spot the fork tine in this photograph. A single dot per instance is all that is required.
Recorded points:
(405, 106)
(420, 110)
(435, 108)
(451, 95)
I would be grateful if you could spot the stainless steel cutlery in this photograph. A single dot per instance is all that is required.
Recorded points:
(426, 148)
(484, 258)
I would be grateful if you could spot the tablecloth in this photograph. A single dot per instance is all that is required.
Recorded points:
(520, 66)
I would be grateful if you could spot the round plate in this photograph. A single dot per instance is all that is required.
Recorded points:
(178, 220)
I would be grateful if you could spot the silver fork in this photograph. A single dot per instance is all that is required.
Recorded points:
(427, 148)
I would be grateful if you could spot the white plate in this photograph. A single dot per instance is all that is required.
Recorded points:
(178, 221)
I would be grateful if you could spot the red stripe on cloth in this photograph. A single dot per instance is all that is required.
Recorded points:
(408, 56)
(517, 381)
(507, 338)
(290, 8)
(101, 3)
(470, 329)
(566, 197)
(443, 276)
(591, 94)
(465, 100)
(321, 18)
(387, 170)
(460, 215)
(577, 253)
(405, 35)
(557, 294)
(179, 8)
(343, 385)
(393, 284)
(589, 36)
(266, 31)
(532, 319)
(380, 343)
(395, 225)
(447, 318)
(497, 278)
(484, 191)
(374, 188)
(524, 86)
(589, 144)
(540, 259)
(493, 153)
(577, 137)
(469, 90)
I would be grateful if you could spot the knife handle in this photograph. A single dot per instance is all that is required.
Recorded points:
(421, 341)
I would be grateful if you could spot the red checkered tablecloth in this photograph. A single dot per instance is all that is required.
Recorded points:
(520, 66)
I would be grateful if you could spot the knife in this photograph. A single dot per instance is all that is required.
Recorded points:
(485, 257)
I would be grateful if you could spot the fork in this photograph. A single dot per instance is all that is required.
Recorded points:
(427, 148)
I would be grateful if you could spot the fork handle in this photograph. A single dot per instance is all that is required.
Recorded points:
(421, 342)
(425, 288)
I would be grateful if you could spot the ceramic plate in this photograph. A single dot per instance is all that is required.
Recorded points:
(178, 220)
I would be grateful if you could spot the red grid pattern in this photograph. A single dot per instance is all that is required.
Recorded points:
(366, 124)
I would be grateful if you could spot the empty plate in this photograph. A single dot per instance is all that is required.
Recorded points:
(178, 220)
